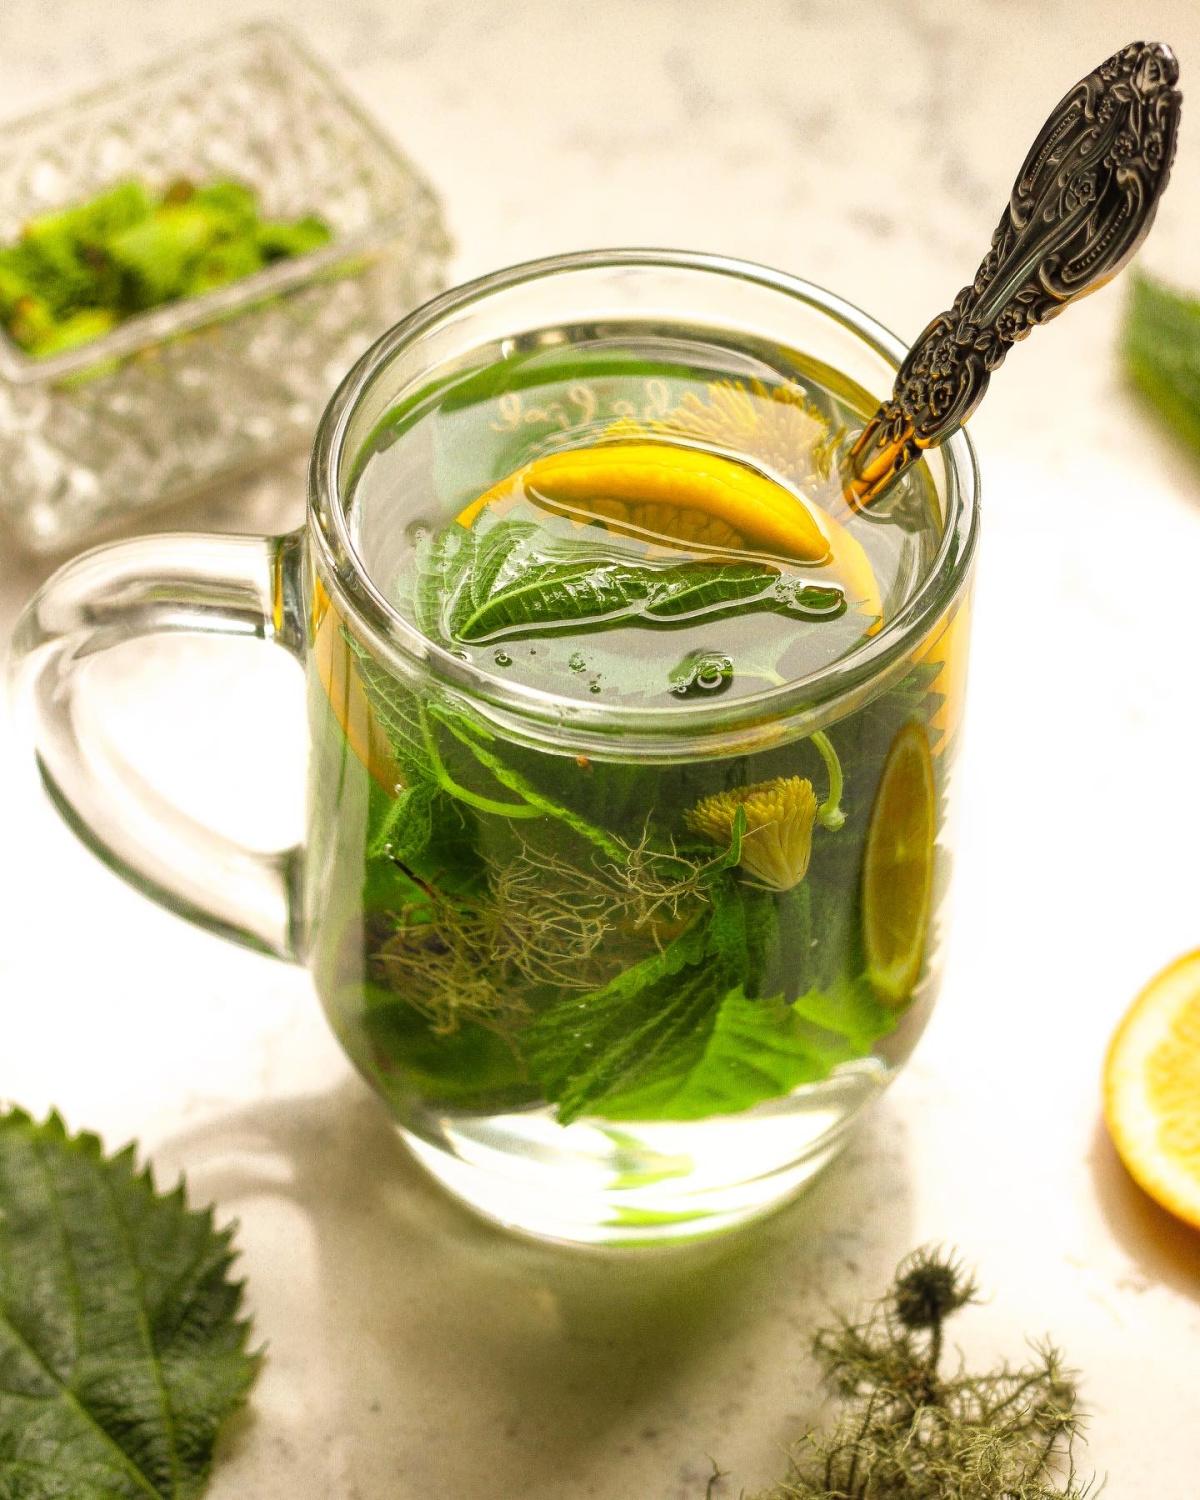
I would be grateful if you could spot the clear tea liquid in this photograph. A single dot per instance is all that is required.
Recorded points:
(639, 983)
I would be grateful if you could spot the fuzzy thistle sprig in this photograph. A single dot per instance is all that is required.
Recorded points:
(908, 1432)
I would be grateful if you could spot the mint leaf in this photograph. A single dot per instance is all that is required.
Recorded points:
(121, 1349)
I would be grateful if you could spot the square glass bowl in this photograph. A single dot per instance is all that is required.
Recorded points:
(173, 398)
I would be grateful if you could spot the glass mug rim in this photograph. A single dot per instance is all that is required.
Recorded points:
(796, 707)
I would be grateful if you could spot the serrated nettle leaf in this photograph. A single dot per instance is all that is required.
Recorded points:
(685, 1034)
(519, 579)
(697, 588)
(532, 592)
(754, 1050)
(646, 1026)
(586, 1048)
(121, 1347)
(501, 557)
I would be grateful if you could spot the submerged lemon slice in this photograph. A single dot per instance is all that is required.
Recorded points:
(666, 491)
(898, 868)
(334, 662)
(1152, 1089)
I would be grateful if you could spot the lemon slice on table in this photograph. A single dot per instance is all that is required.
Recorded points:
(1152, 1089)
(898, 868)
(666, 491)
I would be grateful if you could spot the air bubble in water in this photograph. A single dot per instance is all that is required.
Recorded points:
(701, 672)
(502, 659)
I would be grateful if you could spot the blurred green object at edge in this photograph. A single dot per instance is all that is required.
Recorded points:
(1160, 350)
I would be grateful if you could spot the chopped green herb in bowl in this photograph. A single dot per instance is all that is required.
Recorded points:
(183, 313)
(76, 273)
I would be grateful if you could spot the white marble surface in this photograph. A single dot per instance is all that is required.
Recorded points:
(413, 1351)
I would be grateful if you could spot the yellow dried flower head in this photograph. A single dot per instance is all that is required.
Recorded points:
(776, 425)
(779, 823)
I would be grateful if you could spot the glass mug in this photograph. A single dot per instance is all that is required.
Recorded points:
(584, 1028)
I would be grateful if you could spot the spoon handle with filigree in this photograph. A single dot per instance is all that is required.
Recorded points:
(1082, 204)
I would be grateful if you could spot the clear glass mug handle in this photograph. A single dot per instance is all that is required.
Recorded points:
(198, 584)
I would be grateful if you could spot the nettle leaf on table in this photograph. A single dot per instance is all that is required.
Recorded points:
(121, 1347)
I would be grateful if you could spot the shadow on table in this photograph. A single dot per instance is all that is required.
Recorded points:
(1166, 1250)
(462, 1360)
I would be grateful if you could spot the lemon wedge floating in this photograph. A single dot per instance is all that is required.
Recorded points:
(664, 490)
(1152, 1089)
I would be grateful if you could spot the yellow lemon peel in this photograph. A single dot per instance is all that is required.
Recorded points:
(334, 662)
(661, 490)
(646, 482)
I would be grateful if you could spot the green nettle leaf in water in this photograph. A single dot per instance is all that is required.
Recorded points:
(400, 715)
(513, 580)
(907, 1431)
(678, 1036)
(585, 1047)
(121, 1349)
(754, 1050)
(411, 723)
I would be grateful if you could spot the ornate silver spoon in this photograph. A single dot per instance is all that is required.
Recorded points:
(1083, 203)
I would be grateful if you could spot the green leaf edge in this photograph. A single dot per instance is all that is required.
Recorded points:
(55, 1132)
